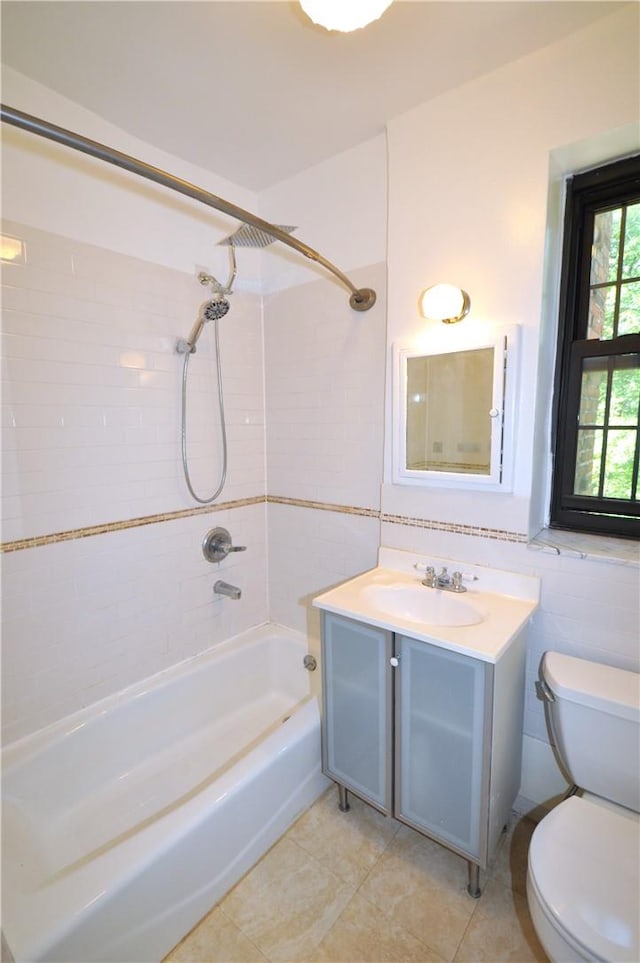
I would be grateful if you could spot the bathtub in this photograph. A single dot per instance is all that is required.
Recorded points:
(126, 822)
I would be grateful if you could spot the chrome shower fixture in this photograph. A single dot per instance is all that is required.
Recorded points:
(215, 309)
(220, 290)
(248, 236)
(211, 310)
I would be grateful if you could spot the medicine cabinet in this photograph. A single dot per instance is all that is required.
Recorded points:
(454, 410)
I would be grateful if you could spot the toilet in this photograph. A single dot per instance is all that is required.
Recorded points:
(583, 880)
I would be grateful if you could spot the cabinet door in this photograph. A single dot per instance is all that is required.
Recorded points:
(443, 730)
(356, 724)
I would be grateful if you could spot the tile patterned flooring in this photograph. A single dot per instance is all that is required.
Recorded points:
(361, 888)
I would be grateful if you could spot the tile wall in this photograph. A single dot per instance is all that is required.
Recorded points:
(90, 434)
(325, 369)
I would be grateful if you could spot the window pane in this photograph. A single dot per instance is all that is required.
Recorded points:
(602, 306)
(631, 259)
(621, 446)
(625, 391)
(593, 391)
(606, 245)
(596, 465)
(629, 320)
(589, 456)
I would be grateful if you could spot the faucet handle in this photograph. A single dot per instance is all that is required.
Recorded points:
(217, 545)
(457, 579)
(430, 578)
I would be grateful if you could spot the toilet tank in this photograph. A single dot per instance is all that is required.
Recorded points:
(595, 719)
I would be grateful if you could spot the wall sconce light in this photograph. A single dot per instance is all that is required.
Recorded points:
(11, 249)
(444, 302)
(344, 15)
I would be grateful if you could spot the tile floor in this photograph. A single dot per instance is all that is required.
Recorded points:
(356, 887)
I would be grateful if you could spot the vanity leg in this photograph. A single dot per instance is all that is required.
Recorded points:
(343, 800)
(473, 889)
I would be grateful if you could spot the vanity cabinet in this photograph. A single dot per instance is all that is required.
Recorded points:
(426, 734)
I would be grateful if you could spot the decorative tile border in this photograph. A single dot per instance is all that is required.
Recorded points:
(324, 506)
(37, 541)
(497, 534)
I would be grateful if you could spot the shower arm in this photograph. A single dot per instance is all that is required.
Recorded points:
(361, 298)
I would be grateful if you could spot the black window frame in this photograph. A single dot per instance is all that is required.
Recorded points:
(606, 187)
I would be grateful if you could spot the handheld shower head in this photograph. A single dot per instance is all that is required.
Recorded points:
(211, 310)
(215, 308)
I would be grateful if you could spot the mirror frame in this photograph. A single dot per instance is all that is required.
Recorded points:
(500, 477)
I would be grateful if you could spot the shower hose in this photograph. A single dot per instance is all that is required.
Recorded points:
(185, 369)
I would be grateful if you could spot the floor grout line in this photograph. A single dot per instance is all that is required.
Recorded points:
(240, 929)
(502, 876)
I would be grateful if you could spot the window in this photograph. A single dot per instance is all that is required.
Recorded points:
(597, 388)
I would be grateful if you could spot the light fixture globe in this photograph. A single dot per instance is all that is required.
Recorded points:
(344, 15)
(444, 302)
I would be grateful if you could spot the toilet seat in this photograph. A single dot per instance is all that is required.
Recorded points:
(584, 875)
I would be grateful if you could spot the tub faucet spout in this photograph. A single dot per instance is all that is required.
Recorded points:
(223, 588)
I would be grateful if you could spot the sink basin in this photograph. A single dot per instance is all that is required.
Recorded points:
(421, 604)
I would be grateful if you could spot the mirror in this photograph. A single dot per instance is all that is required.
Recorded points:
(448, 402)
(450, 416)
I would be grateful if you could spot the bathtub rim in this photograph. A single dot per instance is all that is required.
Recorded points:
(13, 753)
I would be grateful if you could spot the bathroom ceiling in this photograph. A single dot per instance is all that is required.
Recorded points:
(252, 90)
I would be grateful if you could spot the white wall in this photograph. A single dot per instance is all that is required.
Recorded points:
(469, 177)
(324, 377)
(324, 401)
(341, 209)
(92, 384)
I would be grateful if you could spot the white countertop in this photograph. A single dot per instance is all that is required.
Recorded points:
(503, 615)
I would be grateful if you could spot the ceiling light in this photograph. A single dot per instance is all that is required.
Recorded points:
(344, 15)
(444, 302)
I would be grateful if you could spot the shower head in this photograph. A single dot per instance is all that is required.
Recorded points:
(248, 236)
(214, 309)
(211, 310)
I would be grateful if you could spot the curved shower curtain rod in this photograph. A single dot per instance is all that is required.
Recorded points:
(361, 298)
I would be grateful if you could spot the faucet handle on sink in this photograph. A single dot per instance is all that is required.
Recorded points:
(457, 579)
(430, 578)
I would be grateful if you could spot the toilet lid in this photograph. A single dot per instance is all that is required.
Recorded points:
(584, 860)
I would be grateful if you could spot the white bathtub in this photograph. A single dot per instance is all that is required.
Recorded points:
(125, 823)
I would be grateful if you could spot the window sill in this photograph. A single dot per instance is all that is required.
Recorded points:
(601, 548)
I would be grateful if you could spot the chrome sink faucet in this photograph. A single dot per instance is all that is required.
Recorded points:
(449, 583)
